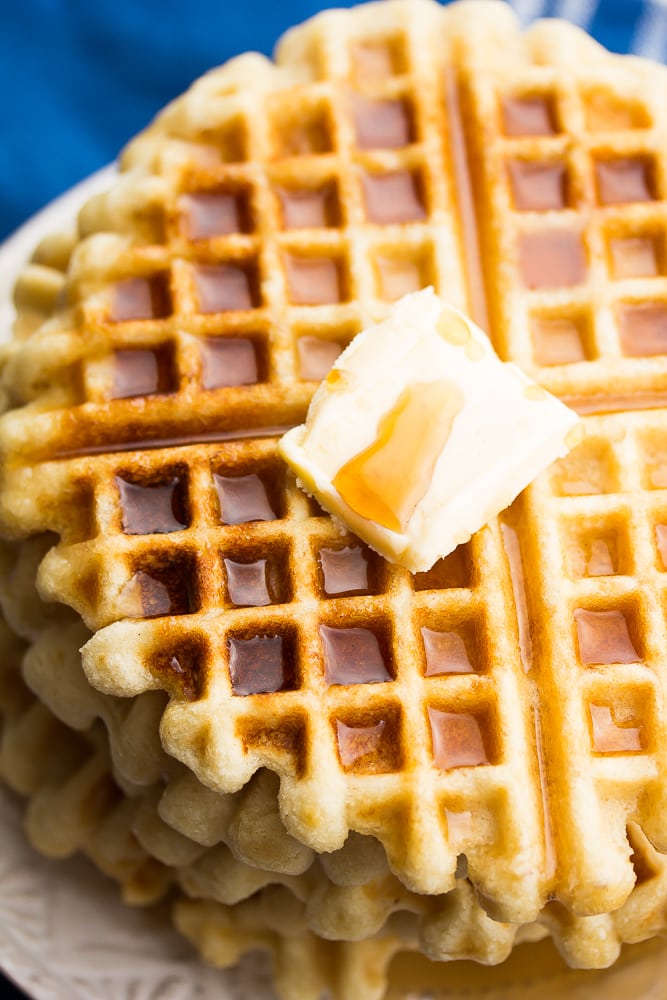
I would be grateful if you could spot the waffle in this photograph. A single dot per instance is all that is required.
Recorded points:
(227, 849)
(320, 934)
(264, 218)
(73, 804)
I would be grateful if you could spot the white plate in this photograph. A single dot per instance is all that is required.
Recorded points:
(64, 935)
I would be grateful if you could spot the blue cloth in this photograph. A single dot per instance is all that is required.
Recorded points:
(79, 78)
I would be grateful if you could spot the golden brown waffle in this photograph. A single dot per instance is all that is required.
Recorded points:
(348, 896)
(261, 225)
(73, 804)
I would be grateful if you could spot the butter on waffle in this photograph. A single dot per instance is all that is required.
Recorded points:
(266, 224)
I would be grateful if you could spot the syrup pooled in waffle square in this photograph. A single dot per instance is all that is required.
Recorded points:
(232, 847)
(259, 234)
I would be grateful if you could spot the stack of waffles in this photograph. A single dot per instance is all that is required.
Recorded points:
(208, 685)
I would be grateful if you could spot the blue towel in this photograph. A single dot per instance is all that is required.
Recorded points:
(78, 79)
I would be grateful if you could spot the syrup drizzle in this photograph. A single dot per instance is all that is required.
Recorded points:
(512, 548)
(466, 203)
(149, 444)
(378, 483)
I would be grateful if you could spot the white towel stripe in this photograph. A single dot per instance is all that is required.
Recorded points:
(528, 10)
(650, 38)
(579, 12)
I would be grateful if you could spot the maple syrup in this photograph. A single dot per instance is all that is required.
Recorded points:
(141, 373)
(556, 342)
(313, 281)
(457, 738)
(243, 499)
(604, 637)
(247, 583)
(259, 665)
(223, 288)
(140, 298)
(152, 510)
(344, 571)
(634, 257)
(392, 198)
(552, 258)
(528, 116)
(609, 736)
(208, 214)
(622, 181)
(387, 480)
(538, 187)
(643, 329)
(368, 746)
(228, 362)
(600, 560)
(446, 653)
(352, 656)
(661, 541)
(316, 357)
(381, 124)
(309, 208)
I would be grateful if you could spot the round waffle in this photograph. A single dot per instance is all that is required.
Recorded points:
(508, 705)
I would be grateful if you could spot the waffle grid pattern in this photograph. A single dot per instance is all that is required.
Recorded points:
(239, 610)
(573, 171)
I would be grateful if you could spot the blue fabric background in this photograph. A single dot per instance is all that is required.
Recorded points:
(79, 78)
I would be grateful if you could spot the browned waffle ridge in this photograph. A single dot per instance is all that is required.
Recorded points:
(345, 172)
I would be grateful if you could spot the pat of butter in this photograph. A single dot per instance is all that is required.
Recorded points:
(420, 435)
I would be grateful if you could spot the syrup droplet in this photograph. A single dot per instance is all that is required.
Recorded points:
(309, 208)
(151, 510)
(392, 198)
(344, 571)
(368, 747)
(527, 116)
(247, 583)
(316, 357)
(621, 181)
(538, 187)
(387, 480)
(604, 637)
(643, 329)
(141, 298)
(381, 124)
(600, 560)
(552, 258)
(446, 653)
(457, 740)
(223, 287)
(141, 373)
(634, 258)
(207, 214)
(228, 362)
(243, 499)
(258, 665)
(557, 342)
(352, 656)
(312, 281)
(609, 736)
(661, 540)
